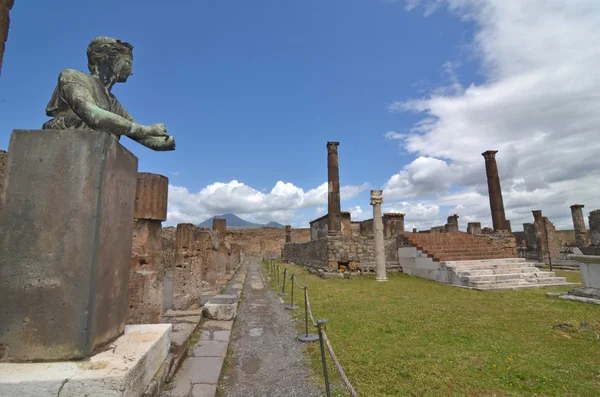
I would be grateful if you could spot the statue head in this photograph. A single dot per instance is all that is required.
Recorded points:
(115, 54)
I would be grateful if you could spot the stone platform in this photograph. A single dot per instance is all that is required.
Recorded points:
(124, 369)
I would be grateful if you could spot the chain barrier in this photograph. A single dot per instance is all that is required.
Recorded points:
(320, 325)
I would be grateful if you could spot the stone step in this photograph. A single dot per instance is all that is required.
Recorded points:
(484, 272)
(509, 276)
(483, 262)
(554, 281)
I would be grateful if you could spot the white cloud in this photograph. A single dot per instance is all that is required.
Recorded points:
(279, 205)
(538, 105)
(357, 213)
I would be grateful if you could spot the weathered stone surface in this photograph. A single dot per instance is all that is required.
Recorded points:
(146, 275)
(474, 228)
(124, 370)
(188, 267)
(579, 225)
(3, 155)
(288, 233)
(219, 225)
(221, 308)
(393, 224)
(66, 233)
(594, 221)
(494, 190)
(452, 225)
(5, 7)
(151, 196)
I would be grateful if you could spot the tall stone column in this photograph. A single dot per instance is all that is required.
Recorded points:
(334, 225)
(579, 225)
(495, 192)
(540, 235)
(376, 201)
(594, 220)
(147, 272)
(288, 233)
(219, 225)
(5, 7)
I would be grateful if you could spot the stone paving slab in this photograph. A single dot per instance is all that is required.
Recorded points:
(199, 373)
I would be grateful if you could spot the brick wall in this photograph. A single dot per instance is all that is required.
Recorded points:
(502, 241)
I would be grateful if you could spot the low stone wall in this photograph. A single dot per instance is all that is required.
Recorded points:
(502, 240)
(354, 253)
(312, 253)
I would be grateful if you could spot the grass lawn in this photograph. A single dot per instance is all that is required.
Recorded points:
(415, 337)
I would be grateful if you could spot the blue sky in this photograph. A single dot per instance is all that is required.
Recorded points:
(252, 90)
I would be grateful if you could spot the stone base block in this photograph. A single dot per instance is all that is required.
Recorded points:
(221, 307)
(65, 242)
(125, 369)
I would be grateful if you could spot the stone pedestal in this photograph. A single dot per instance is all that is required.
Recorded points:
(594, 221)
(65, 241)
(474, 228)
(376, 202)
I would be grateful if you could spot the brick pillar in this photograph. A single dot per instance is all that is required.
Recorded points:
(219, 225)
(474, 228)
(5, 7)
(376, 202)
(579, 225)
(540, 235)
(393, 224)
(288, 233)
(452, 225)
(594, 221)
(146, 277)
(495, 192)
(333, 176)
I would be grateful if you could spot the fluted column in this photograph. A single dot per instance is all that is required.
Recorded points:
(334, 225)
(376, 201)
(495, 192)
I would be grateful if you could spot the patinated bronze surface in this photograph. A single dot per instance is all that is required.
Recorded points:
(82, 101)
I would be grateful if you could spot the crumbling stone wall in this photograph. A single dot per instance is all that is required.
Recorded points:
(265, 242)
(366, 227)
(5, 7)
(502, 240)
(312, 253)
(319, 227)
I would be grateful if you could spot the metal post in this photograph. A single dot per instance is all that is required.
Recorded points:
(283, 287)
(320, 324)
(291, 306)
(308, 337)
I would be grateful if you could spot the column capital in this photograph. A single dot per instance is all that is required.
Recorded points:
(577, 206)
(332, 147)
(490, 154)
(376, 197)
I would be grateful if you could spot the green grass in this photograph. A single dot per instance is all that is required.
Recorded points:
(415, 337)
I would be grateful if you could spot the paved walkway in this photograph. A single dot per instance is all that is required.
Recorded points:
(266, 359)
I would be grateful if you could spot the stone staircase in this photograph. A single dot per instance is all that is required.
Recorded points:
(467, 261)
(510, 273)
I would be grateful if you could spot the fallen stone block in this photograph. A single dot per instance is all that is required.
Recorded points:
(221, 307)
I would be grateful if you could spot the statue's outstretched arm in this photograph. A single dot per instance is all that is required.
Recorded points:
(82, 103)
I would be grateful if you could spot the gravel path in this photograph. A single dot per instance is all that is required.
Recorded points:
(266, 359)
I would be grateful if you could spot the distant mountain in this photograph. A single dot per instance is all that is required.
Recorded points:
(235, 222)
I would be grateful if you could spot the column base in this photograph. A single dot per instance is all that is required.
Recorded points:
(381, 278)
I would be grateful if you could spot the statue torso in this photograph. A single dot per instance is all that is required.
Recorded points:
(63, 115)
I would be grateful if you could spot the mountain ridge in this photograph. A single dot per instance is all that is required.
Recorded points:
(235, 222)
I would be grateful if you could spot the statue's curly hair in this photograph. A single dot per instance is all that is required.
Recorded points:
(102, 48)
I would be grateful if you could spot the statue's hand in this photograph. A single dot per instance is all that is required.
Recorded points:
(156, 130)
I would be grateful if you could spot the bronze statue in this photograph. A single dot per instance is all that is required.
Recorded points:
(82, 101)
